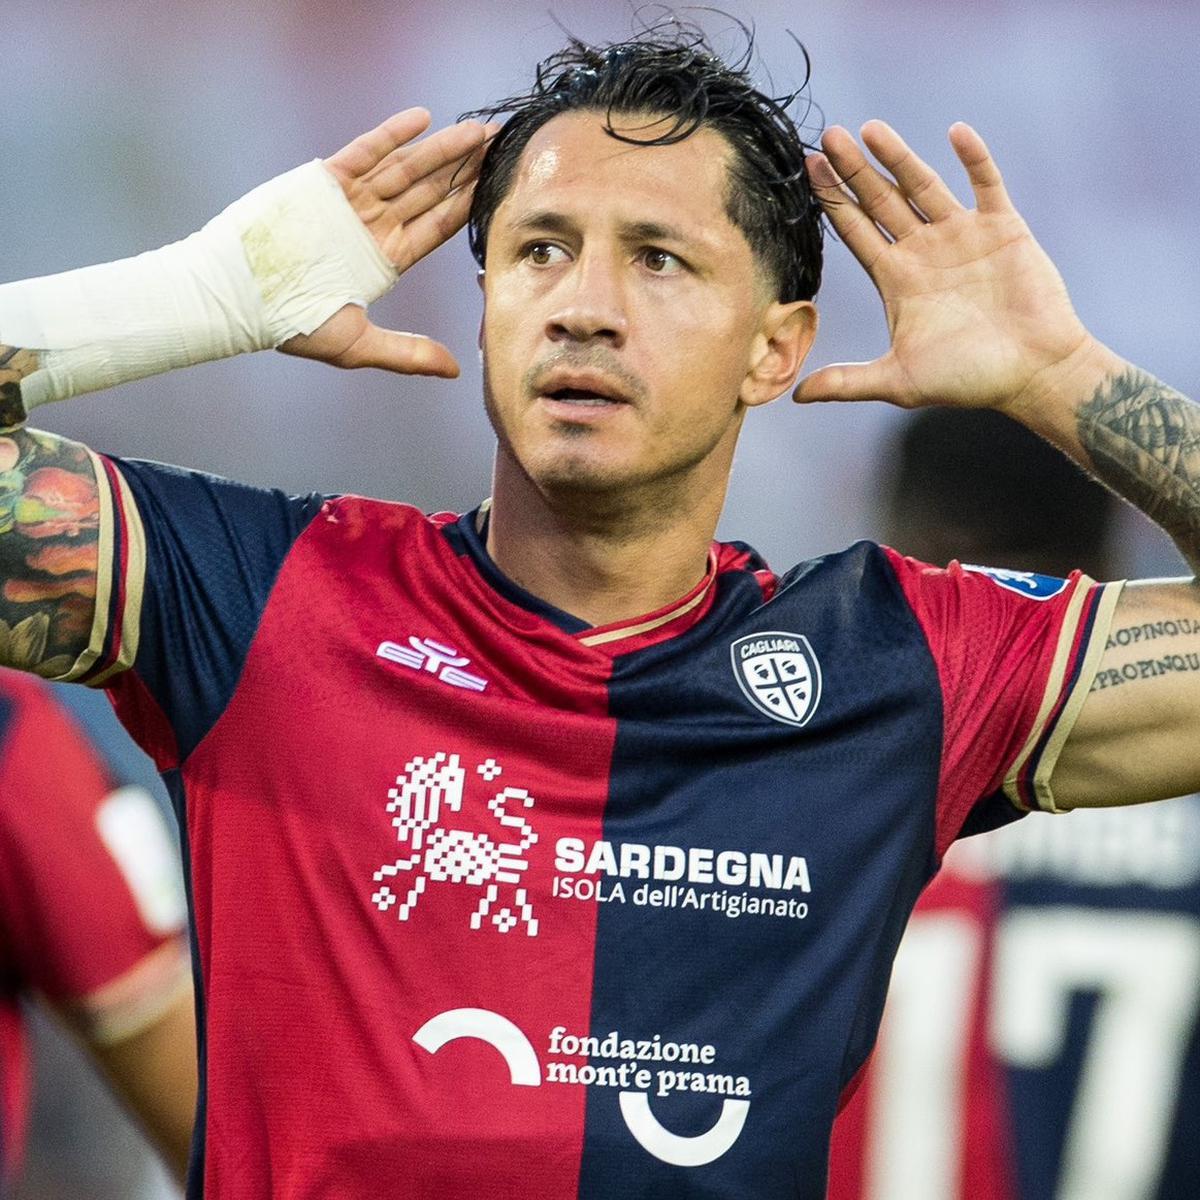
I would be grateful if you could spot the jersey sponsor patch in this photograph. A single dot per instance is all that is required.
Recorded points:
(779, 674)
(1024, 583)
(630, 1065)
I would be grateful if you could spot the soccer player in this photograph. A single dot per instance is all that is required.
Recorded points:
(91, 919)
(1050, 955)
(554, 849)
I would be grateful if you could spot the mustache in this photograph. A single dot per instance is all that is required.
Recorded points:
(592, 358)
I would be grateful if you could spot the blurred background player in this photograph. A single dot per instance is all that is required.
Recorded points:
(1050, 957)
(91, 919)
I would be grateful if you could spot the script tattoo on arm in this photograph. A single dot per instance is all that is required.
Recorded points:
(1144, 441)
(49, 551)
(1176, 651)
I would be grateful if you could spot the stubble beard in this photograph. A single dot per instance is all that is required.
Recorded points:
(611, 497)
(565, 476)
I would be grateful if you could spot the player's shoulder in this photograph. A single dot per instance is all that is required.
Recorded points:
(862, 573)
(354, 511)
(978, 577)
(370, 529)
(847, 600)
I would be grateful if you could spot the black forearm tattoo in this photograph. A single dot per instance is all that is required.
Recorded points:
(15, 364)
(1144, 441)
(49, 551)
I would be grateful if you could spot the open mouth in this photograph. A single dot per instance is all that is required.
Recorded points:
(580, 396)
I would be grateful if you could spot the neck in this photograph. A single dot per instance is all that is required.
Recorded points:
(602, 557)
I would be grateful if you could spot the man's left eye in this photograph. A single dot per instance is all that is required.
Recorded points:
(661, 262)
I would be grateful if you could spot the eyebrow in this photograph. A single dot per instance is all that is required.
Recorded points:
(634, 231)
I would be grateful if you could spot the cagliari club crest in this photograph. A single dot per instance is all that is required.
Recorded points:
(779, 674)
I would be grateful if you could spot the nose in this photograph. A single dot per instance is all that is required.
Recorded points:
(590, 304)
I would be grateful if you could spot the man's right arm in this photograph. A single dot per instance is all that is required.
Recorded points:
(291, 265)
(49, 537)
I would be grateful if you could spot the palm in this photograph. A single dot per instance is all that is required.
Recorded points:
(411, 196)
(975, 308)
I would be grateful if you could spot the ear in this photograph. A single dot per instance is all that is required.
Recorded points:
(778, 351)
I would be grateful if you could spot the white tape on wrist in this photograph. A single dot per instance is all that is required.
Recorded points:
(278, 262)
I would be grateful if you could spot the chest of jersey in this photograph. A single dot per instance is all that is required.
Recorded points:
(520, 915)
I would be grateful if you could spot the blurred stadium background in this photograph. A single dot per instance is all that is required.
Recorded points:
(129, 123)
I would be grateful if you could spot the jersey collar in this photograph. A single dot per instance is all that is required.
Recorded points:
(618, 637)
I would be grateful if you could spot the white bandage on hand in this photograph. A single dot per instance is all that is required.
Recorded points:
(278, 262)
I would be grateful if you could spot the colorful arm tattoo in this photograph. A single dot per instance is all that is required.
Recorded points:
(49, 551)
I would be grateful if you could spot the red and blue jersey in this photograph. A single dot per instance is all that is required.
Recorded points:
(488, 901)
(90, 904)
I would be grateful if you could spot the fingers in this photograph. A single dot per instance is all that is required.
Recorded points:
(404, 353)
(436, 187)
(446, 148)
(986, 180)
(919, 182)
(849, 382)
(370, 148)
(861, 235)
(425, 233)
(877, 195)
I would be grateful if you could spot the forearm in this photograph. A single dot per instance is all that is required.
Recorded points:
(1134, 433)
(155, 1074)
(276, 263)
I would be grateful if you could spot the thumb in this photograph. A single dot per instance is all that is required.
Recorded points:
(849, 381)
(404, 353)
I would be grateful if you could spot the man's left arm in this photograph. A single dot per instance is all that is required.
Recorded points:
(1136, 737)
(979, 317)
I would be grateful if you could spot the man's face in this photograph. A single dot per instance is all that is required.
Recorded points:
(621, 309)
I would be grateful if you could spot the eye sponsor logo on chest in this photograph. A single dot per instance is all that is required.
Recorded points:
(441, 661)
(779, 674)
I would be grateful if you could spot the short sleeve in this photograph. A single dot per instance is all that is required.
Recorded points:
(187, 562)
(1016, 654)
(91, 899)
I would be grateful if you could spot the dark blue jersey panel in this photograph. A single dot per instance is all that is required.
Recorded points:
(213, 550)
(780, 976)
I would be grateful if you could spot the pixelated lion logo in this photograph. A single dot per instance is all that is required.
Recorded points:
(424, 797)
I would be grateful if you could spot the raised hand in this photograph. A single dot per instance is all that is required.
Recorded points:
(412, 196)
(977, 312)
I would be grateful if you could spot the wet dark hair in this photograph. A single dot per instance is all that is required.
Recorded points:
(671, 75)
